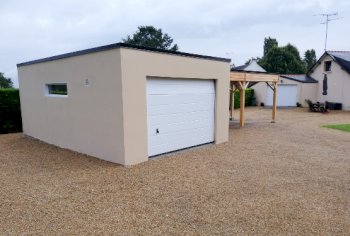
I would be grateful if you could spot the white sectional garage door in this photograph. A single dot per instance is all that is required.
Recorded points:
(180, 114)
(286, 95)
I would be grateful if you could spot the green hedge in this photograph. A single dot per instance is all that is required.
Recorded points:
(249, 98)
(10, 111)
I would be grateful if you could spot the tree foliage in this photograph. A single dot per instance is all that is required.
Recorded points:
(283, 60)
(269, 43)
(5, 82)
(286, 59)
(149, 36)
(310, 58)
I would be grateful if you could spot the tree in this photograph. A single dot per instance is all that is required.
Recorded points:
(269, 43)
(293, 50)
(310, 58)
(283, 60)
(149, 36)
(5, 82)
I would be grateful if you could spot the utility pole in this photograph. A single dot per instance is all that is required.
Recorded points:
(328, 19)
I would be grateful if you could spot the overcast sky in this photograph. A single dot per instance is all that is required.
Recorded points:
(228, 28)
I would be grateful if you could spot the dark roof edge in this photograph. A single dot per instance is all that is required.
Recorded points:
(311, 81)
(318, 62)
(120, 45)
(344, 64)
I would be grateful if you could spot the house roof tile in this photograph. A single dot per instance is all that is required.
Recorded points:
(342, 57)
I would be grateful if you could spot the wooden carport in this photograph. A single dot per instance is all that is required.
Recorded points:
(242, 79)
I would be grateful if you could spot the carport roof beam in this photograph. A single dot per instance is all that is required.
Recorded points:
(253, 76)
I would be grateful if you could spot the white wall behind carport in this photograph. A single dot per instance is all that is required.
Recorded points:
(305, 90)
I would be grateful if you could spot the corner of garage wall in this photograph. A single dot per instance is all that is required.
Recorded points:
(133, 84)
(19, 75)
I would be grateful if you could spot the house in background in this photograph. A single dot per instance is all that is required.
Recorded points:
(334, 66)
(292, 89)
(328, 80)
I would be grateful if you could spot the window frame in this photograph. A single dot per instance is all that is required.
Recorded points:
(327, 64)
(47, 90)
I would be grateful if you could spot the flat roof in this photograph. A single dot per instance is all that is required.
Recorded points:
(302, 78)
(121, 45)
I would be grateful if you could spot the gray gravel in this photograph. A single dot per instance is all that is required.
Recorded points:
(291, 177)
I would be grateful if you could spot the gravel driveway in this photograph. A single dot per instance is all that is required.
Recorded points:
(291, 177)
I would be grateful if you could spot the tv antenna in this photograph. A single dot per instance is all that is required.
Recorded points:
(328, 19)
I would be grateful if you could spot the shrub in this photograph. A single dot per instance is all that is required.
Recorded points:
(10, 111)
(309, 102)
(249, 98)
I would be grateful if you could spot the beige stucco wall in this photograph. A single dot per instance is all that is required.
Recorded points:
(108, 118)
(338, 84)
(90, 119)
(307, 91)
(304, 91)
(137, 65)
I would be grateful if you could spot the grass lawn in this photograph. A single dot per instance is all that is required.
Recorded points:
(343, 127)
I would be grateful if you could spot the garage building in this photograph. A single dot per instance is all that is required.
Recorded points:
(124, 103)
(292, 89)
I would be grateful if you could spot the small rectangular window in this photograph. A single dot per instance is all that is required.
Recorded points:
(327, 65)
(57, 89)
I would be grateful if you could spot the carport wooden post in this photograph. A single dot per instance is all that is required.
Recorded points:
(242, 104)
(231, 95)
(274, 102)
(242, 87)
(232, 100)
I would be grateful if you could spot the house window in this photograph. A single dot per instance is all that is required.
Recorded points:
(59, 89)
(327, 65)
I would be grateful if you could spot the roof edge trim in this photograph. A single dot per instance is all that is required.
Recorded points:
(120, 45)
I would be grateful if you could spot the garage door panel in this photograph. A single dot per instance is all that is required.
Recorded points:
(183, 111)
(158, 100)
(176, 117)
(180, 86)
(174, 108)
(176, 144)
(157, 139)
(178, 126)
(181, 144)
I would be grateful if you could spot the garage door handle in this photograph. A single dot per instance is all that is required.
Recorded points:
(157, 131)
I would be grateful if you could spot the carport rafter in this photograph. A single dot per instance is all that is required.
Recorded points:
(241, 80)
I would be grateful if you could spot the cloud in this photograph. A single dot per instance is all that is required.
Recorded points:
(35, 29)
